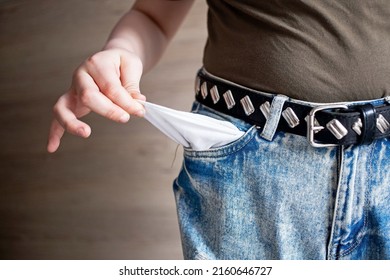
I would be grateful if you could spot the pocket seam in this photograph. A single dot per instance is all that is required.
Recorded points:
(219, 152)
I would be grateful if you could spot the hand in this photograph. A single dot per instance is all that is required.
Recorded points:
(107, 83)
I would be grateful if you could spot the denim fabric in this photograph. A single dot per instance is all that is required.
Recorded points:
(283, 199)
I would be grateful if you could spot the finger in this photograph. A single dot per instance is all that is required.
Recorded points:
(91, 97)
(106, 75)
(138, 96)
(68, 120)
(55, 134)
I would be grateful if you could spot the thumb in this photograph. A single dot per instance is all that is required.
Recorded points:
(131, 70)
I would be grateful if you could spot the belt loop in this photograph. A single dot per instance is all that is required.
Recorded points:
(273, 120)
(368, 123)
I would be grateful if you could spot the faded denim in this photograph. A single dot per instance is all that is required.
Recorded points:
(283, 199)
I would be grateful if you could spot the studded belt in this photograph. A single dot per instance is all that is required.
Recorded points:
(324, 125)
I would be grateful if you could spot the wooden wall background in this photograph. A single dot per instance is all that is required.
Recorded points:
(108, 197)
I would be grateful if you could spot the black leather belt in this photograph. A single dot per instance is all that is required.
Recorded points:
(325, 125)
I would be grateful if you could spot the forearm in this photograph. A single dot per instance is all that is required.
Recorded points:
(147, 32)
(137, 33)
(107, 83)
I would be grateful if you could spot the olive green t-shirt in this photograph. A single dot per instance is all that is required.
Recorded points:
(314, 50)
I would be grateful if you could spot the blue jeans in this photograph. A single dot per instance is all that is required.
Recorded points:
(283, 199)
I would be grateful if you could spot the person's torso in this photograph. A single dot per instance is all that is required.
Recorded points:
(319, 51)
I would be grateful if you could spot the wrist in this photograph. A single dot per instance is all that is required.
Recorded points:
(119, 43)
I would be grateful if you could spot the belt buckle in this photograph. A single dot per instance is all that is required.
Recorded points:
(312, 128)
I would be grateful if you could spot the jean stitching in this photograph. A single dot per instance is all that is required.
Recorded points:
(340, 160)
(336, 225)
(338, 255)
(219, 152)
(201, 256)
(196, 255)
(196, 107)
(365, 222)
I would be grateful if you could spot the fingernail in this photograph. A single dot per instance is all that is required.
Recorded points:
(81, 131)
(124, 118)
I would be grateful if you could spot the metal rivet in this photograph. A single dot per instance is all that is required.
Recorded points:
(382, 124)
(337, 129)
(357, 127)
(197, 85)
(290, 117)
(214, 94)
(265, 108)
(203, 90)
(229, 99)
(247, 105)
